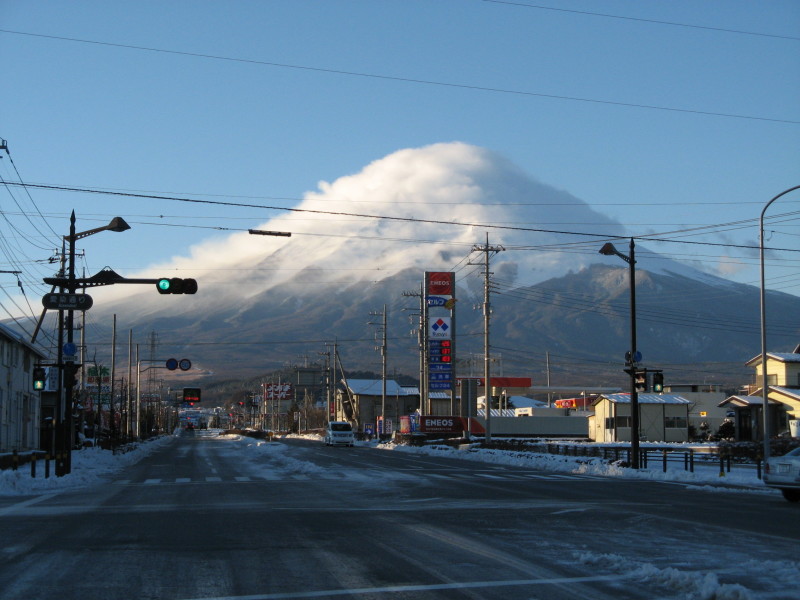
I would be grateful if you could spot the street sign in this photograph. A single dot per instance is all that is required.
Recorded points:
(57, 301)
(69, 349)
(185, 364)
(172, 364)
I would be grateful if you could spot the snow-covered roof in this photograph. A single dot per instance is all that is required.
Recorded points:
(790, 392)
(644, 399)
(374, 387)
(785, 357)
(525, 402)
(414, 391)
(746, 401)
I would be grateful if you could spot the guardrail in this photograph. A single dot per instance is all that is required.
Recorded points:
(722, 456)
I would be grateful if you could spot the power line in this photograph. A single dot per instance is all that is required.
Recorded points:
(647, 237)
(429, 82)
(642, 20)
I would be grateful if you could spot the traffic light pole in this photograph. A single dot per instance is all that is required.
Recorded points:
(634, 391)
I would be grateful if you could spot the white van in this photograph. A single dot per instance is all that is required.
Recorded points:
(339, 433)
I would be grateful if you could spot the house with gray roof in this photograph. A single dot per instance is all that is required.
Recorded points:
(662, 418)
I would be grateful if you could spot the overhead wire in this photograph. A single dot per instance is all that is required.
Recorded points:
(412, 80)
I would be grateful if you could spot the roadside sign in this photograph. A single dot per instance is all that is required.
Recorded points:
(172, 364)
(185, 364)
(57, 301)
(69, 349)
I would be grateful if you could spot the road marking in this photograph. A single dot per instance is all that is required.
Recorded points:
(25, 503)
(467, 585)
(213, 479)
(242, 479)
(183, 480)
(151, 481)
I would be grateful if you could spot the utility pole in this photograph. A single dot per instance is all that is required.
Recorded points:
(487, 387)
(383, 365)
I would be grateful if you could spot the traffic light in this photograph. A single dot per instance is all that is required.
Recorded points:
(176, 285)
(641, 380)
(658, 382)
(191, 395)
(39, 378)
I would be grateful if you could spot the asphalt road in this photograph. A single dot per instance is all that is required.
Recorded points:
(204, 517)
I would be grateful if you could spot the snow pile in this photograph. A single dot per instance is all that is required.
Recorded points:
(275, 452)
(89, 465)
(706, 474)
(692, 585)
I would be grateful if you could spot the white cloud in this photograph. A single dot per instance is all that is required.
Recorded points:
(421, 189)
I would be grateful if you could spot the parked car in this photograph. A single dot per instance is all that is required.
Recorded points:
(783, 472)
(339, 433)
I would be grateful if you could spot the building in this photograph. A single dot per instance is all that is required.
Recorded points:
(362, 401)
(783, 382)
(20, 406)
(662, 418)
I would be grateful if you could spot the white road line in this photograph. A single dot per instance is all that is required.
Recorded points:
(420, 588)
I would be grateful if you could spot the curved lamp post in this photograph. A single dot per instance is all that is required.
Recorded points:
(764, 385)
(608, 250)
(64, 462)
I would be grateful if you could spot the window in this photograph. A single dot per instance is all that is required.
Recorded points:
(623, 421)
(675, 422)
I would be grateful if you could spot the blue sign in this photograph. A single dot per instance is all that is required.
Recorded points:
(70, 349)
(437, 300)
(438, 385)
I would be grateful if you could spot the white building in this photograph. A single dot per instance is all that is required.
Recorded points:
(20, 406)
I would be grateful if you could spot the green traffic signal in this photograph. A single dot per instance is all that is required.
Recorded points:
(658, 382)
(176, 285)
(39, 378)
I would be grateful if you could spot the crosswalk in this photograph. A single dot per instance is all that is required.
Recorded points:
(363, 475)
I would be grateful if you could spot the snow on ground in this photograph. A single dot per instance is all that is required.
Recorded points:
(93, 465)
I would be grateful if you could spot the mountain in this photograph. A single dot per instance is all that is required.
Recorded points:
(364, 240)
(695, 331)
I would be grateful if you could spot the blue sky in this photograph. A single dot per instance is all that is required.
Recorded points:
(663, 116)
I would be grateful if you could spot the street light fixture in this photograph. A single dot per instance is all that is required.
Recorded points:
(764, 385)
(64, 449)
(608, 249)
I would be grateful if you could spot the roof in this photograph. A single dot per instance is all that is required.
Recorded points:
(374, 387)
(785, 357)
(414, 391)
(746, 401)
(790, 392)
(15, 337)
(643, 399)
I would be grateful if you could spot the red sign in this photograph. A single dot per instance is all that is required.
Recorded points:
(440, 283)
(505, 382)
(447, 424)
(278, 391)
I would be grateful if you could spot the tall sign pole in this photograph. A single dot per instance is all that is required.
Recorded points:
(440, 334)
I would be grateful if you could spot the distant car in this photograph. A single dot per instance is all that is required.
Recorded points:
(339, 433)
(189, 425)
(783, 472)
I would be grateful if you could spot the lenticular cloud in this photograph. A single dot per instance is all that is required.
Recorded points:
(432, 205)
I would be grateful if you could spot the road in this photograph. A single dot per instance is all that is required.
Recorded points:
(237, 519)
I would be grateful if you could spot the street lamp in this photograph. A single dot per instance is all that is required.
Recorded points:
(608, 249)
(64, 460)
(764, 385)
